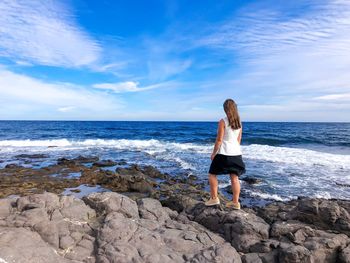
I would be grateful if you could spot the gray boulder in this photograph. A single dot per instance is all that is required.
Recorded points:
(48, 228)
(105, 227)
(297, 253)
(344, 256)
(108, 202)
(155, 237)
(243, 230)
(23, 245)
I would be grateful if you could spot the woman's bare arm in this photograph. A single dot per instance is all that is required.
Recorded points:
(239, 138)
(219, 138)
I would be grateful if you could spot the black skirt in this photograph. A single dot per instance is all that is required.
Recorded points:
(224, 164)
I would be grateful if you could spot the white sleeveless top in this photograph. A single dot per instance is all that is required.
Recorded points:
(230, 145)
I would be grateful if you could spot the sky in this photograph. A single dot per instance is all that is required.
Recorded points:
(280, 60)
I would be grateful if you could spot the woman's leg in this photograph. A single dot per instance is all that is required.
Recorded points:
(213, 181)
(236, 188)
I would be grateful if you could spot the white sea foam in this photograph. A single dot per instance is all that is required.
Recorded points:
(286, 171)
(34, 143)
(119, 144)
(289, 155)
(270, 196)
(286, 155)
(324, 195)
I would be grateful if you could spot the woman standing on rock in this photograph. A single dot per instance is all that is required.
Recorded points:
(227, 156)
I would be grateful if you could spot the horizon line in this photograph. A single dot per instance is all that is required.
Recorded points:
(174, 121)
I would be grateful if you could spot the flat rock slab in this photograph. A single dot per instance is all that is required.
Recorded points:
(104, 227)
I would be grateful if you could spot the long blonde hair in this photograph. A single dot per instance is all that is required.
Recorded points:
(230, 108)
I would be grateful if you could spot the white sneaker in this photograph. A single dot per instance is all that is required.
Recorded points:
(212, 201)
(233, 205)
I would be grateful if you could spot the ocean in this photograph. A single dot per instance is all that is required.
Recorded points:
(290, 159)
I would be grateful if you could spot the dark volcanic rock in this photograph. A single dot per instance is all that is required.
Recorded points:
(325, 214)
(344, 256)
(65, 161)
(153, 172)
(251, 180)
(12, 166)
(243, 230)
(126, 181)
(31, 156)
(113, 228)
(17, 180)
(280, 238)
(86, 159)
(105, 163)
(342, 184)
(136, 227)
(295, 254)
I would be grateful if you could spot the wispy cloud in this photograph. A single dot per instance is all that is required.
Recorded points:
(343, 97)
(286, 57)
(44, 32)
(161, 68)
(66, 109)
(27, 97)
(274, 30)
(129, 86)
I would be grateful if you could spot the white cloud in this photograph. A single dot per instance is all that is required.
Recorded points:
(129, 86)
(273, 30)
(24, 97)
(162, 68)
(44, 32)
(289, 59)
(303, 110)
(344, 97)
(66, 109)
(23, 63)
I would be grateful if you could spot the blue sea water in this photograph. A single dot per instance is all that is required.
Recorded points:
(291, 159)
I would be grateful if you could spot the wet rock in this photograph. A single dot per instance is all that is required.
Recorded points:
(122, 162)
(228, 189)
(126, 180)
(251, 180)
(65, 161)
(86, 159)
(153, 172)
(342, 184)
(12, 166)
(105, 163)
(23, 181)
(31, 156)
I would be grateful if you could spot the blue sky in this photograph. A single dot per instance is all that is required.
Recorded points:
(174, 60)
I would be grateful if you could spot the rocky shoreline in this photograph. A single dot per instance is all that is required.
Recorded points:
(149, 216)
